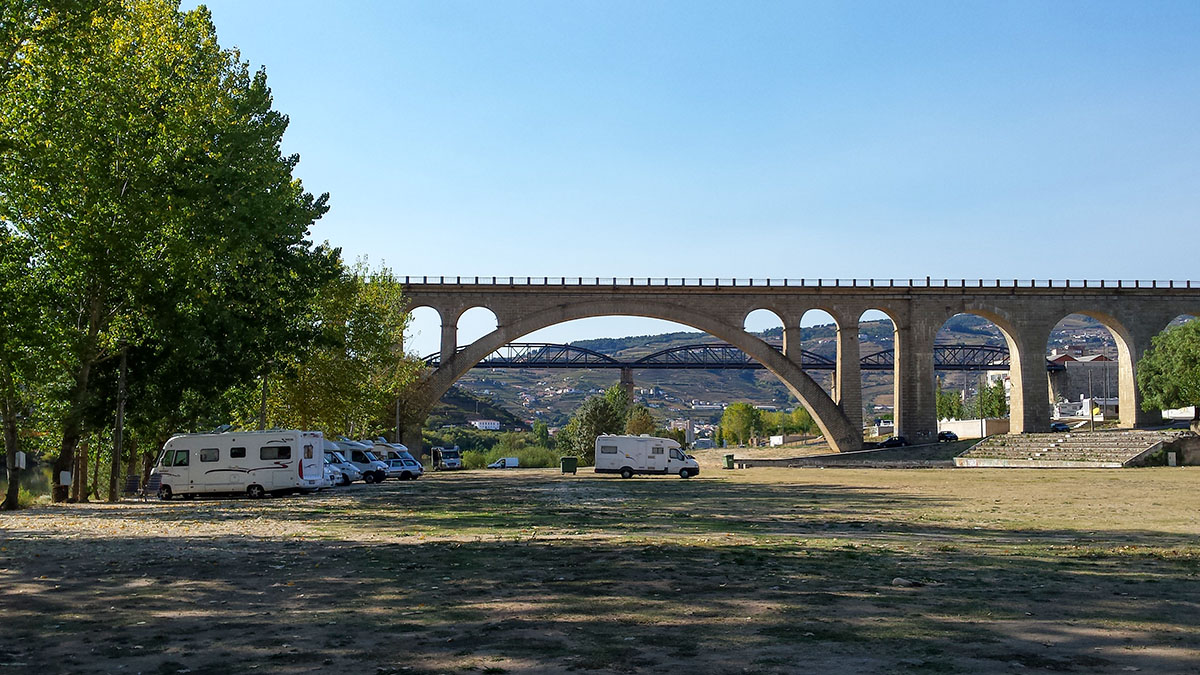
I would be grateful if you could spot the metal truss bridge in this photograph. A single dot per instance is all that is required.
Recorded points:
(721, 356)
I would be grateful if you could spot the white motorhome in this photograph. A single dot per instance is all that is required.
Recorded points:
(360, 455)
(628, 455)
(256, 463)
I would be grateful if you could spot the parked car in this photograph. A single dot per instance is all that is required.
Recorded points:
(1060, 426)
(894, 442)
(505, 463)
(404, 468)
(947, 436)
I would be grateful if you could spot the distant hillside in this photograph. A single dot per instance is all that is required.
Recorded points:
(460, 406)
(552, 395)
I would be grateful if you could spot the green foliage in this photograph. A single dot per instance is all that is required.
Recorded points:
(1169, 372)
(639, 421)
(531, 457)
(741, 422)
(798, 421)
(989, 402)
(618, 400)
(347, 380)
(598, 415)
(141, 162)
(949, 404)
(541, 435)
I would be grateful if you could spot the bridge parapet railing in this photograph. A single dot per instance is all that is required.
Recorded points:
(729, 282)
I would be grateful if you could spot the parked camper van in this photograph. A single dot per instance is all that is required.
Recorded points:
(505, 463)
(333, 457)
(445, 459)
(628, 455)
(373, 470)
(250, 462)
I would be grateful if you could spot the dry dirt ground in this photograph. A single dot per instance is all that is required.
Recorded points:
(528, 571)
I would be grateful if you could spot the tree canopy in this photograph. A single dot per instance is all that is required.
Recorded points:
(1169, 372)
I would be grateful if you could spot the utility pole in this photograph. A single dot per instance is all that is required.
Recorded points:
(1091, 402)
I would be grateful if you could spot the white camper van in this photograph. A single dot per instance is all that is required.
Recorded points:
(250, 462)
(628, 455)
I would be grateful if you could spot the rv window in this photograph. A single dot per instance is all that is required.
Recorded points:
(237, 453)
(308, 452)
(275, 452)
(608, 449)
(209, 454)
(657, 450)
(358, 456)
(181, 457)
(165, 458)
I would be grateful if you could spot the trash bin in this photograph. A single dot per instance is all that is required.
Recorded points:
(728, 461)
(569, 464)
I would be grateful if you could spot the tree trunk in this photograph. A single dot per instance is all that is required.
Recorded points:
(94, 490)
(11, 447)
(72, 431)
(114, 475)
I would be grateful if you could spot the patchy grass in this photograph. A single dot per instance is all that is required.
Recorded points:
(763, 570)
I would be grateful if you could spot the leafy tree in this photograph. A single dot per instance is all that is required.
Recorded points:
(618, 400)
(143, 164)
(348, 379)
(803, 422)
(719, 439)
(28, 331)
(949, 404)
(639, 421)
(741, 422)
(990, 401)
(541, 435)
(1169, 372)
(596, 416)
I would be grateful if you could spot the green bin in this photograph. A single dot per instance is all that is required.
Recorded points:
(569, 464)
(728, 461)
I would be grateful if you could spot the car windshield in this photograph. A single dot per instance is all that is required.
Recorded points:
(371, 456)
(450, 454)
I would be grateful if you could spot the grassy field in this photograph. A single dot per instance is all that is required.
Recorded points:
(752, 571)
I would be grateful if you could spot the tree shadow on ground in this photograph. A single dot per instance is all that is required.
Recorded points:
(658, 578)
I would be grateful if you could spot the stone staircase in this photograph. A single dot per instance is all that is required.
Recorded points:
(1094, 449)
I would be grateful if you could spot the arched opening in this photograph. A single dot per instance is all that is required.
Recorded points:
(1086, 354)
(877, 335)
(819, 338)
(423, 334)
(831, 421)
(972, 358)
(474, 324)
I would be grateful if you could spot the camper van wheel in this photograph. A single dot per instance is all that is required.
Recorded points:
(164, 493)
(627, 473)
(684, 473)
(369, 477)
(256, 491)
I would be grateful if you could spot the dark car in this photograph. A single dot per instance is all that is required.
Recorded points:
(894, 442)
(946, 436)
(1060, 426)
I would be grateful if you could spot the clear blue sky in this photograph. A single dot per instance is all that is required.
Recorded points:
(749, 139)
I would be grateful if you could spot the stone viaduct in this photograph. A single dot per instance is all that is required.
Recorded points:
(1025, 311)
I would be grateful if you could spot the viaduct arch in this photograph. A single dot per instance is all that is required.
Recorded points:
(1025, 312)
